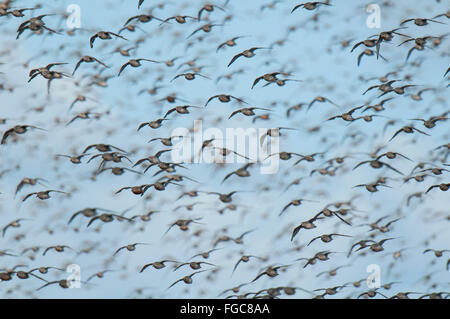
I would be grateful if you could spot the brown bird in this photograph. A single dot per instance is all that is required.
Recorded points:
(347, 116)
(194, 265)
(234, 289)
(369, 43)
(431, 122)
(229, 76)
(183, 109)
(320, 99)
(437, 253)
(143, 18)
(152, 124)
(241, 172)
(62, 283)
(378, 246)
(362, 244)
(57, 248)
(43, 69)
(34, 24)
(103, 148)
(295, 202)
(372, 187)
(383, 87)
(418, 96)
(13, 224)
(376, 163)
(436, 295)
(326, 238)
(205, 254)
(183, 224)
(387, 36)
(74, 159)
(321, 255)
(29, 181)
(117, 171)
(309, 224)
(371, 294)
(245, 259)
(228, 43)
(281, 82)
(153, 159)
(270, 272)
(145, 217)
(205, 28)
(420, 21)
(18, 13)
(129, 247)
(237, 240)
(377, 107)
(368, 52)
(189, 76)
(99, 274)
(88, 212)
(224, 198)
(84, 115)
(328, 291)
(268, 77)
(329, 213)
(400, 90)
(107, 218)
(309, 157)
(179, 19)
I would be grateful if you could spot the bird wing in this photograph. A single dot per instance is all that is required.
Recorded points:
(93, 219)
(76, 67)
(210, 99)
(235, 266)
(396, 133)
(145, 267)
(92, 40)
(123, 68)
(257, 80)
(360, 57)
(297, 6)
(235, 58)
(97, 60)
(28, 196)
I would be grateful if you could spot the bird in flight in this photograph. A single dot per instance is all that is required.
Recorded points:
(249, 53)
(310, 5)
(104, 35)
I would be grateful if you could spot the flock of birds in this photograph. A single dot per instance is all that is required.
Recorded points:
(362, 116)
